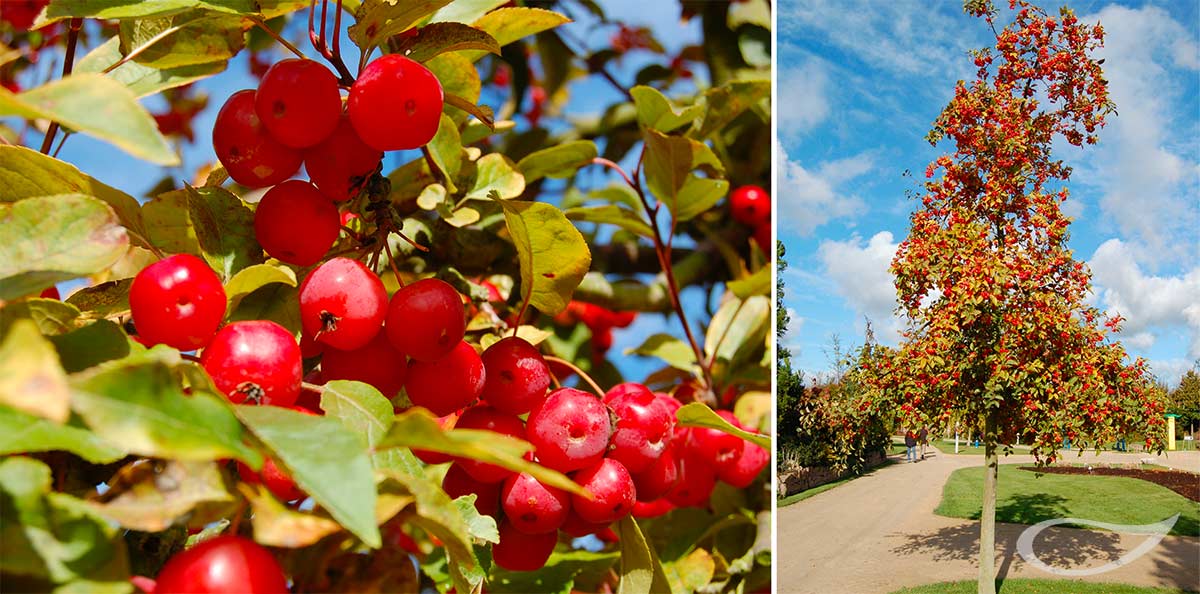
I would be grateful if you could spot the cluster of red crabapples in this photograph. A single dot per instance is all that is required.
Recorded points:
(296, 116)
(751, 206)
(624, 448)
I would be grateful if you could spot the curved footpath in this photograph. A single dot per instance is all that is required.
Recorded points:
(878, 533)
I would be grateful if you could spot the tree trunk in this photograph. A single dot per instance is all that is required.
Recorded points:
(987, 521)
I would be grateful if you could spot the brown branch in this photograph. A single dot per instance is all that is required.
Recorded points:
(68, 64)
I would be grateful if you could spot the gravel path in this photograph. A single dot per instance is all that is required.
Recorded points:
(878, 533)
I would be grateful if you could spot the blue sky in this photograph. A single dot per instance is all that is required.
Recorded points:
(588, 96)
(863, 81)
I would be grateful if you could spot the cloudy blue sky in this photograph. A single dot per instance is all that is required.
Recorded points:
(860, 82)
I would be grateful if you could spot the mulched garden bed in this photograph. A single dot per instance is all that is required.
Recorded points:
(1180, 481)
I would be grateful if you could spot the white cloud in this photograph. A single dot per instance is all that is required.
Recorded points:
(859, 272)
(808, 199)
(1142, 164)
(802, 98)
(1170, 371)
(791, 337)
(909, 37)
(1150, 304)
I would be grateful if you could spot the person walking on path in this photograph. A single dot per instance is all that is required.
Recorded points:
(923, 439)
(910, 442)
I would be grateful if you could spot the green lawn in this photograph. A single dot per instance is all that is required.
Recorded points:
(1026, 498)
(1028, 586)
(947, 447)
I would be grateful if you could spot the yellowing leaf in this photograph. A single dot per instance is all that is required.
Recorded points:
(553, 255)
(31, 378)
(97, 106)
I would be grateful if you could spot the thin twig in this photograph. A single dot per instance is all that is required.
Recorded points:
(583, 375)
(68, 63)
(277, 37)
(663, 251)
(392, 262)
(314, 387)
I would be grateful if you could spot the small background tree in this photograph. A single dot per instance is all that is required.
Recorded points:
(997, 326)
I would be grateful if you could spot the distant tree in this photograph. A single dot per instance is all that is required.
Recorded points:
(1184, 400)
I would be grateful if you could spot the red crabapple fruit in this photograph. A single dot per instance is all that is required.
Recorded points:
(426, 319)
(612, 489)
(298, 102)
(342, 304)
(533, 507)
(569, 430)
(225, 564)
(296, 223)
(256, 361)
(178, 301)
(395, 104)
(376, 363)
(750, 205)
(341, 164)
(517, 375)
(518, 551)
(447, 384)
(457, 483)
(251, 156)
(644, 428)
(489, 419)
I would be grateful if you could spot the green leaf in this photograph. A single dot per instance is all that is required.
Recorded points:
(191, 38)
(126, 9)
(255, 277)
(360, 407)
(104, 299)
(655, 111)
(139, 405)
(447, 150)
(55, 238)
(21, 432)
(31, 379)
(438, 515)
(496, 173)
(738, 329)
(552, 253)
(697, 195)
(277, 302)
(91, 345)
(438, 38)
(327, 461)
(558, 161)
(97, 106)
(457, 75)
(141, 79)
(417, 428)
(758, 283)
(26, 173)
(727, 102)
(675, 352)
(669, 162)
(507, 25)
(207, 222)
(52, 317)
(691, 573)
(163, 495)
(696, 414)
(54, 536)
(640, 570)
(381, 19)
(277, 525)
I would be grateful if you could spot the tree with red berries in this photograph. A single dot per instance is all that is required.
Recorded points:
(998, 327)
(371, 344)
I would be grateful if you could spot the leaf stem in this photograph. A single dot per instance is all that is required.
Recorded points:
(141, 48)
(392, 262)
(318, 388)
(68, 64)
(583, 375)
